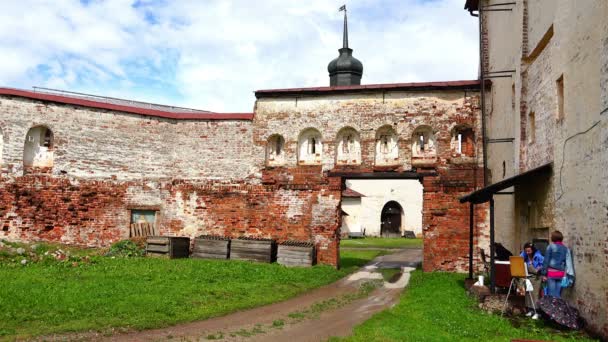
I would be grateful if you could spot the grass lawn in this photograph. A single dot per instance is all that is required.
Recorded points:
(374, 242)
(435, 307)
(54, 297)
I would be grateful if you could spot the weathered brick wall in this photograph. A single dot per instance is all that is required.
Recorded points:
(573, 198)
(198, 174)
(102, 144)
(541, 99)
(96, 213)
(445, 221)
(210, 177)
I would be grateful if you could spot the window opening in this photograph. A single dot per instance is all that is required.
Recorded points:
(531, 127)
(143, 222)
(459, 142)
(312, 146)
(421, 142)
(560, 98)
(384, 144)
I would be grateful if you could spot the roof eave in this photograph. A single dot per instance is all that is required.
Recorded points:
(474, 85)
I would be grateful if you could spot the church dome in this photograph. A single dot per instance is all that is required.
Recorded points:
(345, 70)
(345, 63)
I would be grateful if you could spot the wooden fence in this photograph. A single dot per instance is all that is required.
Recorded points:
(143, 229)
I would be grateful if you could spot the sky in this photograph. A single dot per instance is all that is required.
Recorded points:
(213, 55)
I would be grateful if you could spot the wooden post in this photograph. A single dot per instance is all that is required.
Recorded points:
(492, 249)
(471, 225)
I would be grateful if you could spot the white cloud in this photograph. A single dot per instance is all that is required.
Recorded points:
(213, 54)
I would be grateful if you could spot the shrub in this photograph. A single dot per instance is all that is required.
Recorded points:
(126, 248)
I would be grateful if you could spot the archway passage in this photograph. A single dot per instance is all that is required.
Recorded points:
(390, 220)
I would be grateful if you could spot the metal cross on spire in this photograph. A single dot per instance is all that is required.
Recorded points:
(345, 34)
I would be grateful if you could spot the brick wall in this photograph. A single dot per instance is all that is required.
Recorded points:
(445, 220)
(211, 177)
(103, 144)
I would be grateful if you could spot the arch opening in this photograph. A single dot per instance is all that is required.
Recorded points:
(348, 147)
(310, 147)
(38, 149)
(390, 220)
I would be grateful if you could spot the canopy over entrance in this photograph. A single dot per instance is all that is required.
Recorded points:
(486, 194)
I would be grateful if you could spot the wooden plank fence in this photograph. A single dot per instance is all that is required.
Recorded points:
(211, 247)
(253, 250)
(143, 229)
(296, 253)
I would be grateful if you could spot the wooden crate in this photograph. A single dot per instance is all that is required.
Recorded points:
(211, 247)
(168, 246)
(262, 250)
(296, 253)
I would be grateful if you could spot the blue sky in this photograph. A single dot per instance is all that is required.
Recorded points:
(213, 54)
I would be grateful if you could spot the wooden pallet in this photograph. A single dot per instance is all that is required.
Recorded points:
(253, 250)
(143, 229)
(211, 248)
(171, 247)
(296, 254)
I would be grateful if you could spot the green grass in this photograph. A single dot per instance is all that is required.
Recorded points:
(435, 307)
(350, 259)
(372, 242)
(55, 297)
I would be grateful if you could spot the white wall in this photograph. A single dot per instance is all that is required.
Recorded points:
(351, 223)
(406, 192)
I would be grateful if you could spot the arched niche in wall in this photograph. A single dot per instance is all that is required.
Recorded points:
(38, 149)
(275, 150)
(424, 144)
(462, 142)
(387, 147)
(310, 147)
(348, 147)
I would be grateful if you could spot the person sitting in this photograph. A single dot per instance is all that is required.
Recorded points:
(532, 257)
(534, 262)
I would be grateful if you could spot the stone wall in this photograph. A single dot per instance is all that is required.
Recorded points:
(197, 174)
(103, 144)
(556, 38)
(212, 176)
(445, 225)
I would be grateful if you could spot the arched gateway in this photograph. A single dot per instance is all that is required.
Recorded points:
(390, 220)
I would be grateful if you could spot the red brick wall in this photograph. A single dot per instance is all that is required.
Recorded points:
(446, 220)
(95, 213)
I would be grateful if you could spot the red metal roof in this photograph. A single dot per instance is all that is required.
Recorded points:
(133, 109)
(446, 85)
(351, 193)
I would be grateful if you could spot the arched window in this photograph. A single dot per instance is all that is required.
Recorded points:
(275, 150)
(310, 147)
(423, 142)
(348, 147)
(463, 141)
(387, 148)
(38, 149)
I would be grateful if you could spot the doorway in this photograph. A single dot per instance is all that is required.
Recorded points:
(390, 220)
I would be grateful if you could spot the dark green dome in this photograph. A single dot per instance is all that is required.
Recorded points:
(345, 70)
(345, 63)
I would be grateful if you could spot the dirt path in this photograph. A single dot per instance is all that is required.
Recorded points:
(332, 310)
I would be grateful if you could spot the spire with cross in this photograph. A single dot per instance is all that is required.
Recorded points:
(345, 70)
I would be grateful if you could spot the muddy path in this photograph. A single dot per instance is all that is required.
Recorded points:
(332, 310)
